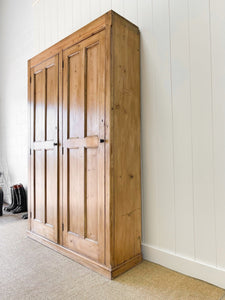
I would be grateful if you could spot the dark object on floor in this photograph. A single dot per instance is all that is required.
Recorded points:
(25, 216)
(21, 200)
(13, 205)
(1, 201)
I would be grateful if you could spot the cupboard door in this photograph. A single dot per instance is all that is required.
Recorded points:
(44, 150)
(83, 144)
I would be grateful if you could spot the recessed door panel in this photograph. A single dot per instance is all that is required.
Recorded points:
(44, 149)
(76, 191)
(83, 160)
(39, 105)
(92, 208)
(51, 187)
(38, 185)
(92, 129)
(51, 97)
(75, 95)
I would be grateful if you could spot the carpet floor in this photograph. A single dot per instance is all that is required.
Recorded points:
(29, 270)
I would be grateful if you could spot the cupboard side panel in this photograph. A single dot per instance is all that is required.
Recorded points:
(51, 127)
(126, 141)
(108, 153)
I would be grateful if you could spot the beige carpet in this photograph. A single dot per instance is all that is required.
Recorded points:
(29, 270)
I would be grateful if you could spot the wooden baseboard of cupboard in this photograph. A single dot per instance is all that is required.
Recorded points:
(127, 265)
(110, 273)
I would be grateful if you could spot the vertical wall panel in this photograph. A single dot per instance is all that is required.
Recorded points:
(53, 13)
(76, 15)
(106, 5)
(85, 11)
(218, 79)
(118, 6)
(45, 16)
(131, 10)
(36, 23)
(95, 9)
(17, 32)
(202, 131)
(61, 23)
(164, 128)
(44, 32)
(150, 208)
(180, 78)
(68, 16)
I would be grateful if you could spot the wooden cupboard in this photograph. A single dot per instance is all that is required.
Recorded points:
(84, 160)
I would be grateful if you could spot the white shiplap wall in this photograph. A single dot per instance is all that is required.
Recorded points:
(183, 121)
(16, 46)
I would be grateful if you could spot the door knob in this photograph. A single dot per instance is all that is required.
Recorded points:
(102, 140)
(55, 144)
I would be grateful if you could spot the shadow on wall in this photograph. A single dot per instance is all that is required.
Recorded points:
(5, 181)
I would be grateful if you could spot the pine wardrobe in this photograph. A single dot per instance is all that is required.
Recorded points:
(84, 147)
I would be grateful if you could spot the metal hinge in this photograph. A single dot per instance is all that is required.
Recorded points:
(62, 227)
(63, 64)
(30, 152)
(30, 214)
(62, 150)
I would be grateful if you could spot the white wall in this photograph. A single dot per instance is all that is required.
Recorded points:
(183, 120)
(16, 47)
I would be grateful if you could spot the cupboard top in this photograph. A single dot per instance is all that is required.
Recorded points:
(92, 28)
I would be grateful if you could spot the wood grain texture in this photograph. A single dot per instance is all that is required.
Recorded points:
(110, 273)
(83, 109)
(98, 137)
(74, 38)
(151, 64)
(44, 154)
(126, 141)
(108, 167)
(60, 151)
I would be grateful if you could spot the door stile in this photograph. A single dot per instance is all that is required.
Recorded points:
(65, 151)
(56, 144)
(43, 149)
(29, 143)
(60, 149)
(32, 172)
(101, 148)
(84, 135)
